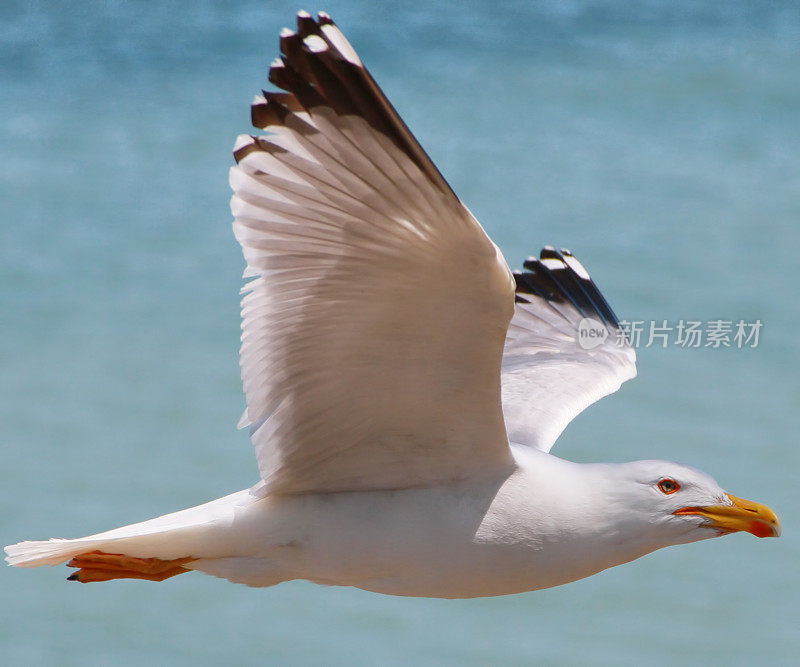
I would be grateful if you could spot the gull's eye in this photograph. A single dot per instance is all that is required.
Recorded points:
(668, 485)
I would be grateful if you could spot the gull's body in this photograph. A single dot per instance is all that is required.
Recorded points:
(389, 359)
(506, 534)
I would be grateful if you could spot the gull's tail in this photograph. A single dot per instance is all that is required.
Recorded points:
(154, 549)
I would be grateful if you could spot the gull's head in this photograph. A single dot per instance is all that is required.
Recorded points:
(676, 503)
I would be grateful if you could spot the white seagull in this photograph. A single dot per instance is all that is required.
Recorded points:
(403, 386)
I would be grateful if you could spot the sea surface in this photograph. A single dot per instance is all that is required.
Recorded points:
(659, 140)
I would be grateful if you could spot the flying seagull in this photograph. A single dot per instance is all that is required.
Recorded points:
(403, 386)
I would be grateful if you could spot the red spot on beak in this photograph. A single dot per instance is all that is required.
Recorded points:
(761, 529)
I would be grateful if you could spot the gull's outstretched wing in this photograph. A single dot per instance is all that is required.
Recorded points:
(564, 349)
(373, 331)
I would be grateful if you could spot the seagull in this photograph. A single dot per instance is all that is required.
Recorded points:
(403, 387)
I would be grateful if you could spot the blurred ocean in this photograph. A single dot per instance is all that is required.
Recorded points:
(659, 140)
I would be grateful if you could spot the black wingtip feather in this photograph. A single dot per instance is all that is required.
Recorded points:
(268, 113)
(553, 279)
(326, 77)
(306, 25)
(570, 282)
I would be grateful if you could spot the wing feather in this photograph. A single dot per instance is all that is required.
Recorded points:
(363, 365)
(548, 376)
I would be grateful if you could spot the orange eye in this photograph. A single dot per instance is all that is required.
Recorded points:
(668, 485)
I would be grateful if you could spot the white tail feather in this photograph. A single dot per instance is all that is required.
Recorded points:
(176, 535)
(49, 552)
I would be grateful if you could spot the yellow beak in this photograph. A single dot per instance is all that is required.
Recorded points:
(746, 515)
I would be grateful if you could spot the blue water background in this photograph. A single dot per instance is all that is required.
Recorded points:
(659, 140)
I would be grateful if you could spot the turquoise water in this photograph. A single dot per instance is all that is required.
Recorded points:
(658, 140)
